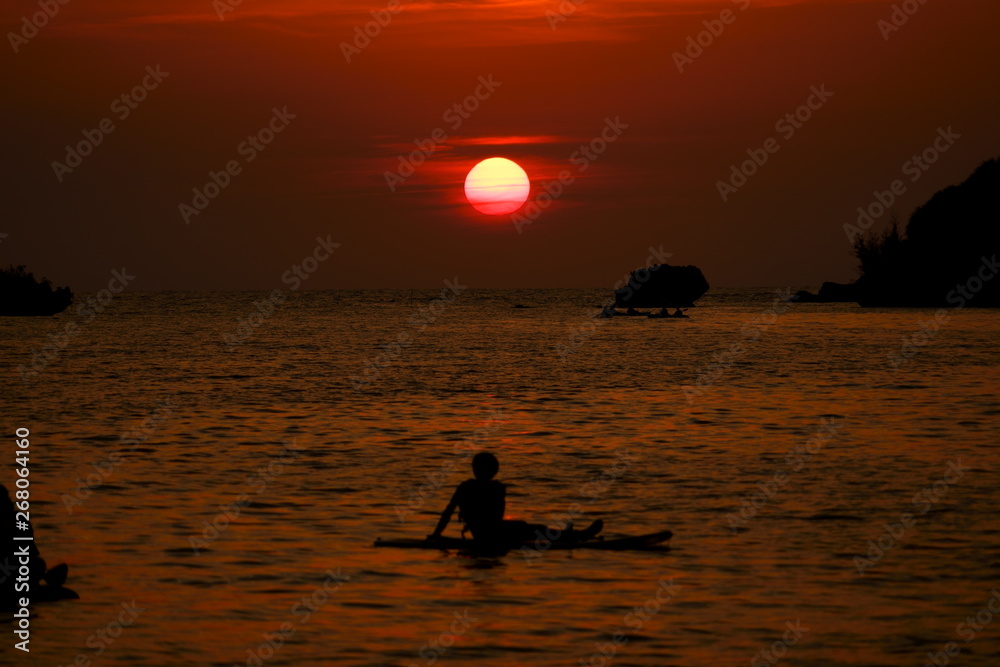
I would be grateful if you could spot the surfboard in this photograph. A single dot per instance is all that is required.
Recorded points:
(647, 542)
(52, 593)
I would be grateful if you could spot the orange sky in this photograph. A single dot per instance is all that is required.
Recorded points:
(324, 174)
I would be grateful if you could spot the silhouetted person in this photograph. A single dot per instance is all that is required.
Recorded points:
(481, 503)
(10, 561)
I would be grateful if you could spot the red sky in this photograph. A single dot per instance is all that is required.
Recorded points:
(655, 185)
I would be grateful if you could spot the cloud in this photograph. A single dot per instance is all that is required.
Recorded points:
(517, 140)
(455, 23)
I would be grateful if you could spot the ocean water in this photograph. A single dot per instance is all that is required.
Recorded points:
(226, 484)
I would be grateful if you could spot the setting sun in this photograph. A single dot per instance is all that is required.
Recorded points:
(497, 186)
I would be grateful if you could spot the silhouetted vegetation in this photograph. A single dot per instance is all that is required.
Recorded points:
(945, 245)
(22, 294)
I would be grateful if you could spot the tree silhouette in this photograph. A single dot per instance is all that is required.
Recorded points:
(944, 245)
(22, 294)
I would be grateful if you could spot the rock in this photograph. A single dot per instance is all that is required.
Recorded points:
(662, 286)
(829, 293)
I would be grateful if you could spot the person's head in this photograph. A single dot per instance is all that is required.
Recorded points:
(485, 466)
(6, 505)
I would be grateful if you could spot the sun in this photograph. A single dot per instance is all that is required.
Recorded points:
(497, 186)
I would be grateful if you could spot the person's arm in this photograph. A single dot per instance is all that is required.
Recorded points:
(445, 516)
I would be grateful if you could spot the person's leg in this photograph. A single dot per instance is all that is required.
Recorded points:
(8, 596)
(588, 533)
(57, 575)
(38, 567)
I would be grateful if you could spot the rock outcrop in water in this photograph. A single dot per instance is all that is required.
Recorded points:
(829, 293)
(945, 257)
(21, 294)
(662, 286)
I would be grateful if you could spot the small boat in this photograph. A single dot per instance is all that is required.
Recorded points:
(648, 542)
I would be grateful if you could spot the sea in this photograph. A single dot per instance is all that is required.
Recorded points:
(215, 469)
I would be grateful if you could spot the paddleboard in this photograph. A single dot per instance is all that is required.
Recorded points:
(650, 541)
